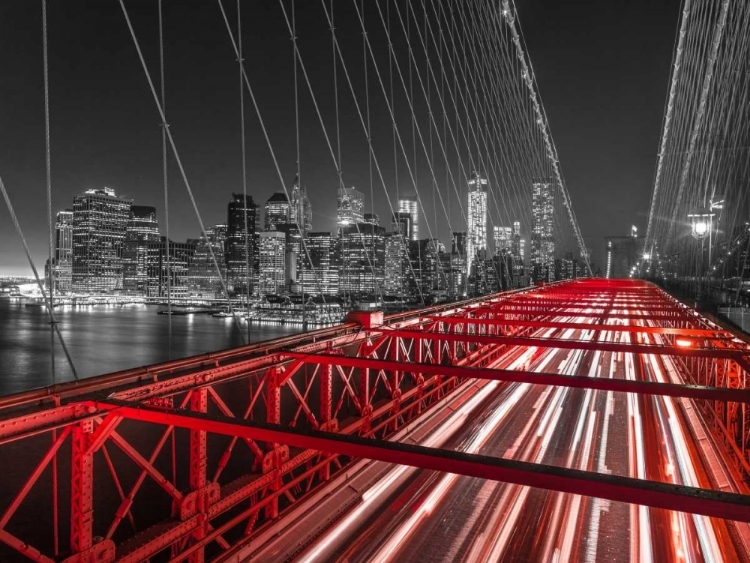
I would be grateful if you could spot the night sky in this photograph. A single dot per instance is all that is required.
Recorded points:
(602, 69)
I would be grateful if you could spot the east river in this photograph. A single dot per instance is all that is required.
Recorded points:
(107, 338)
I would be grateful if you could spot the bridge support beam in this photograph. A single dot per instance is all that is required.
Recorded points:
(81, 488)
(615, 488)
(198, 480)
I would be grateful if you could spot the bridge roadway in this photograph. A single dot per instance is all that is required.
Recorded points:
(429, 516)
(545, 413)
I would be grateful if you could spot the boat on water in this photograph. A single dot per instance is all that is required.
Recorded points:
(187, 311)
(222, 315)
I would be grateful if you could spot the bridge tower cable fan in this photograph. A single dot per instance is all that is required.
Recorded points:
(510, 17)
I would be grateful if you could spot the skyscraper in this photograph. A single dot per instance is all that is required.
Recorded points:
(542, 233)
(477, 220)
(458, 268)
(142, 229)
(237, 254)
(410, 205)
(362, 259)
(173, 278)
(518, 251)
(204, 279)
(272, 263)
(300, 211)
(323, 278)
(402, 224)
(63, 266)
(350, 206)
(278, 211)
(396, 265)
(99, 222)
(503, 240)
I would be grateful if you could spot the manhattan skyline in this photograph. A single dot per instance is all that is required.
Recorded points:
(105, 129)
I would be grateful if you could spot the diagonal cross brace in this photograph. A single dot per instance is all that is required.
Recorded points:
(539, 378)
(692, 500)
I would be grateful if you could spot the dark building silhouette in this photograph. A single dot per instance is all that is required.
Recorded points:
(241, 246)
(142, 229)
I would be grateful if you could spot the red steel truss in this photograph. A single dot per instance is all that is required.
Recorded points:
(187, 459)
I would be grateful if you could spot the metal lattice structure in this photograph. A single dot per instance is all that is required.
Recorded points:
(188, 459)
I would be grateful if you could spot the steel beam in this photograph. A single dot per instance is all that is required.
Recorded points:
(615, 488)
(737, 355)
(557, 380)
(718, 334)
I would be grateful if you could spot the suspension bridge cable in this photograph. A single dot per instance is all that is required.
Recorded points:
(246, 249)
(701, 110)
(261, 121)
(362, 121)
(165, 180)
(53, 266)
(176, 155)
(337, 162)
(544, 125)
(45, 296)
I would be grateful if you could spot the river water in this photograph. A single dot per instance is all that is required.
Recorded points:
(107, 338)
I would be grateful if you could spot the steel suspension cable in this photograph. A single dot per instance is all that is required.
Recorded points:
(39, 283)
(53, 266)
(176, 154)
(247, 247)
(165, 180)
(259, 116)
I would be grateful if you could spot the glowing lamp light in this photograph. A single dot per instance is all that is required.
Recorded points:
(683, 343)
(700, 224)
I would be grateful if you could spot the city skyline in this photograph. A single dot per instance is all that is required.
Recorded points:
(86, 155)
(310, 268)
(108, 244)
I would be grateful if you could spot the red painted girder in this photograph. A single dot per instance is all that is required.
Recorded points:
(29, 424)
(22, 547)
(574, 381)
(646, 317)
(723, 353)
(576, 305)
(33, 477)
(697, 332)
(615, 488)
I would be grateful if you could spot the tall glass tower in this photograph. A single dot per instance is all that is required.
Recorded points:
(100, 219)
(410, 205)
(542, 232)
(477, 228)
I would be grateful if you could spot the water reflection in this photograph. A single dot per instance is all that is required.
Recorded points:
(106, 338)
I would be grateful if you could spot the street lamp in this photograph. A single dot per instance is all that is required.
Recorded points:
(700, 225)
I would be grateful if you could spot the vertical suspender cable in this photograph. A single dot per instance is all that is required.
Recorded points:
(48, 164)
(300, 206)
(173, 145)
(367, 104)
(241, 61)
(697, 124)
(165, 179)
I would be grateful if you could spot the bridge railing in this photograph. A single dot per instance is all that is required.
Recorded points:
(190, 457)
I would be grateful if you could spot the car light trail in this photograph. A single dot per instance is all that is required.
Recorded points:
(640, 436)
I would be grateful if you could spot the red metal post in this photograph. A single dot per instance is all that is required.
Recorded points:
(326, 405)
(81, 489)
(197, 478)
(271, 460)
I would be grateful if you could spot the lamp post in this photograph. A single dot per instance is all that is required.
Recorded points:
(701, 224)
